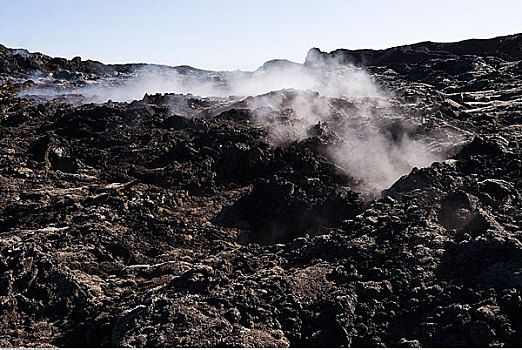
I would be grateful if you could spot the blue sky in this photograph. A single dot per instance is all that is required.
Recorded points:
(229, 35)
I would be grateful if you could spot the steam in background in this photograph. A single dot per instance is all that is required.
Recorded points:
(327, 79)
(372, 142)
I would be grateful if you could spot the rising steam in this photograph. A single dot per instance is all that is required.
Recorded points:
(373, 143)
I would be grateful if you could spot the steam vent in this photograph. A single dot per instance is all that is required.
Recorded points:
(375, 200)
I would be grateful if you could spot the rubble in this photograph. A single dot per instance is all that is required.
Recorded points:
(130, 224)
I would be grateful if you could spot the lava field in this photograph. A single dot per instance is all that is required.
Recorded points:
(376, 201)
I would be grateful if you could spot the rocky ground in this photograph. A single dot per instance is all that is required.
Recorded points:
(130, 224)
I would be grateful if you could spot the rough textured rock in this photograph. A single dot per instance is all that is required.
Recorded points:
(126, 224)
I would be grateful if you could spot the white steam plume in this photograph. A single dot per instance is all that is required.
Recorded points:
(374, 143)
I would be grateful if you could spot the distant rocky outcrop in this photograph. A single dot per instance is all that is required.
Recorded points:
(508, 48)
(14, 61)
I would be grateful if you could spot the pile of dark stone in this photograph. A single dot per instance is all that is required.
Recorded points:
(124, 224)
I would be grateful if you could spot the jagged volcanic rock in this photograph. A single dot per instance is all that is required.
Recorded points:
(133, 224)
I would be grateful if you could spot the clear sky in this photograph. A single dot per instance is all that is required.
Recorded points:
(234, 34)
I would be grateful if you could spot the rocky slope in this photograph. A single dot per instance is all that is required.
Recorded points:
(140, 224)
